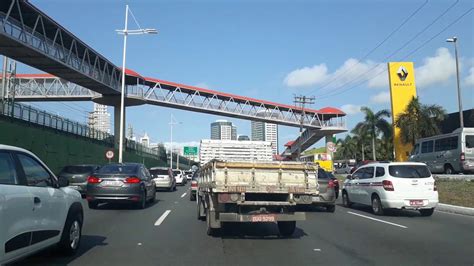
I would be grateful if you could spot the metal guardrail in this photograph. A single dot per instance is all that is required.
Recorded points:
(43, 118)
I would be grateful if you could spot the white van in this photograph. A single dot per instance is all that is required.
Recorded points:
(447, 153)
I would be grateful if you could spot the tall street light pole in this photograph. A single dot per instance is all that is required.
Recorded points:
(172, 123)
(461, 118)
(125, 33)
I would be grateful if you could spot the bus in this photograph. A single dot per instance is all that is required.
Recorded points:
(448, 153)
(323, 159)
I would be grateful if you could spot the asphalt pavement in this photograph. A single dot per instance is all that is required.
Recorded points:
(168, 233)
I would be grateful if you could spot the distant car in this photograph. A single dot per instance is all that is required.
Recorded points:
(163, 178)
(392, 186)
(194, 186)
(343, 169)
(179, 176)
(359, 164)
(189, 175)
(327, 194)
(37, 209)
(77, 175)
(121, 182)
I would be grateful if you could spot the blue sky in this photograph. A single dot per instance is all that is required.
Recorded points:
(272, 50)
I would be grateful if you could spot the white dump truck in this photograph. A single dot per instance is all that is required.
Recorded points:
(255, 192)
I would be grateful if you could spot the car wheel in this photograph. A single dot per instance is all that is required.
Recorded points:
(71, 236)
(377, 205)
(142, 203)
(192, 197)
(448, 169)
(345, 200)
(153, 199)
(427, 212)
(200, 210)
(92, 204)
(331, 208)
(287, 228)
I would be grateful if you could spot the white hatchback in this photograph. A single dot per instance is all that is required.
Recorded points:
(37, 210)
(392, 186)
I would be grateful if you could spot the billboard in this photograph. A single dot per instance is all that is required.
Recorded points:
(189, 150)
(401, 77)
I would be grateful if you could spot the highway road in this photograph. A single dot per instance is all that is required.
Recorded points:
(168, 233)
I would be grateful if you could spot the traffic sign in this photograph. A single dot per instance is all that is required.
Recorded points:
(331, 146)
(190, 150)
(109, 154)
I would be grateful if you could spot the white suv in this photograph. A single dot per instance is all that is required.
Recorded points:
(36, 209)
(392, 186)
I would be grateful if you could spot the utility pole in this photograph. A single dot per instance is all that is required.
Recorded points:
(302, 100)
(461, 118)
(4, 81)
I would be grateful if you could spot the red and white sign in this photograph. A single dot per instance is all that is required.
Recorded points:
(331, 147)
(109, 154)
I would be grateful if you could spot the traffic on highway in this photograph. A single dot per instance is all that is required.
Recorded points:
(314, 133)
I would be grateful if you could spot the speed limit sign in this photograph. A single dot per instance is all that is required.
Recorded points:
(109, 154)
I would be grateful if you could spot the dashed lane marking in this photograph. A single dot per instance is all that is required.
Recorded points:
(377, 220)
(162, 217)
(184, 194)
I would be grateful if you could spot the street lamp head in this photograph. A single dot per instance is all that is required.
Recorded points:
(150, 31)
(454, 39)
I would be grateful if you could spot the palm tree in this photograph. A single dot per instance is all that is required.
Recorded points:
(347, 148)
(360, 138)
(374, 125)
(419, 121)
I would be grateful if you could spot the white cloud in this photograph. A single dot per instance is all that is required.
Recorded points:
(469, 80)
(382, 97)
(436, 69)
(433, 70)
(306, 76)
(202, 85)
(351, 109)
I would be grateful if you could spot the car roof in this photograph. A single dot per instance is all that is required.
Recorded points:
(159, 168)
(13, 148)
(82, 165)
(389, 163)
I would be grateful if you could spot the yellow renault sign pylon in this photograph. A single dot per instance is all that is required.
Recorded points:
(401, 76)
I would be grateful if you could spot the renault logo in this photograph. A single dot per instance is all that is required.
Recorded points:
(402, 73)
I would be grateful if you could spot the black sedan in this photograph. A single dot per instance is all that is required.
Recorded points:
(77, 175)
(126, 182)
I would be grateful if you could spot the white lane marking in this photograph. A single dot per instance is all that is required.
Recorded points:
(162, 217)
(139, 244)
(184, 194)
(317, 249)
(378, 220)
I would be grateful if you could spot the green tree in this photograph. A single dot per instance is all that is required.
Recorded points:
(374, 124)
(419, 121)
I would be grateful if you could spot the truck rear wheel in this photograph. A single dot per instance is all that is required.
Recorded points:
(287, 228)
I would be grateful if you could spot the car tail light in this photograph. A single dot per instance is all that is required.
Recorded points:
(93, 180)
(132, 180)
(435, 188)
(331, 184)
(223, 197)
(387, 185)
(194, 183)
(463, 157)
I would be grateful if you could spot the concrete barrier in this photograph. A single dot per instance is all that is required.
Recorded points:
(455, 177)
(455, 209)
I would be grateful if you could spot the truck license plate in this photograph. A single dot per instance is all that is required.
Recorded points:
(263, 218)
(416, 202)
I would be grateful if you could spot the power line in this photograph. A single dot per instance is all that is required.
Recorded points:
(393, 53)
(375, 48)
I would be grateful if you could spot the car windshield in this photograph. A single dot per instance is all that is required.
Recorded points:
(156, 172)
(470, 141)
(176, 172)
(409, 171)
(117, 169)
(77, 169)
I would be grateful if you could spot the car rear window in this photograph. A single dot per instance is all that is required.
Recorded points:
(159, 172)
(74, 169)
(409, 171)
(470, 141)
(176, 172)
(117, 169)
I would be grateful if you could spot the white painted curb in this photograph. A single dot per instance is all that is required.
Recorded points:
(455, 209)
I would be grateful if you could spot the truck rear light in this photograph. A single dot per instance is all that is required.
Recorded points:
(194, 184)
(387, 185)
(132, 180)
(463, 157)
(435, 188)
(331, 184)
(223, 197)
(93, 180)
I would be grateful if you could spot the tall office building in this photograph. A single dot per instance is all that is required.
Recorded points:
(223, 130)
(99, 119)
(262, 131)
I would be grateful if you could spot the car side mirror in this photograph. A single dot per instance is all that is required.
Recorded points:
(349, 177)
(63, 181)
